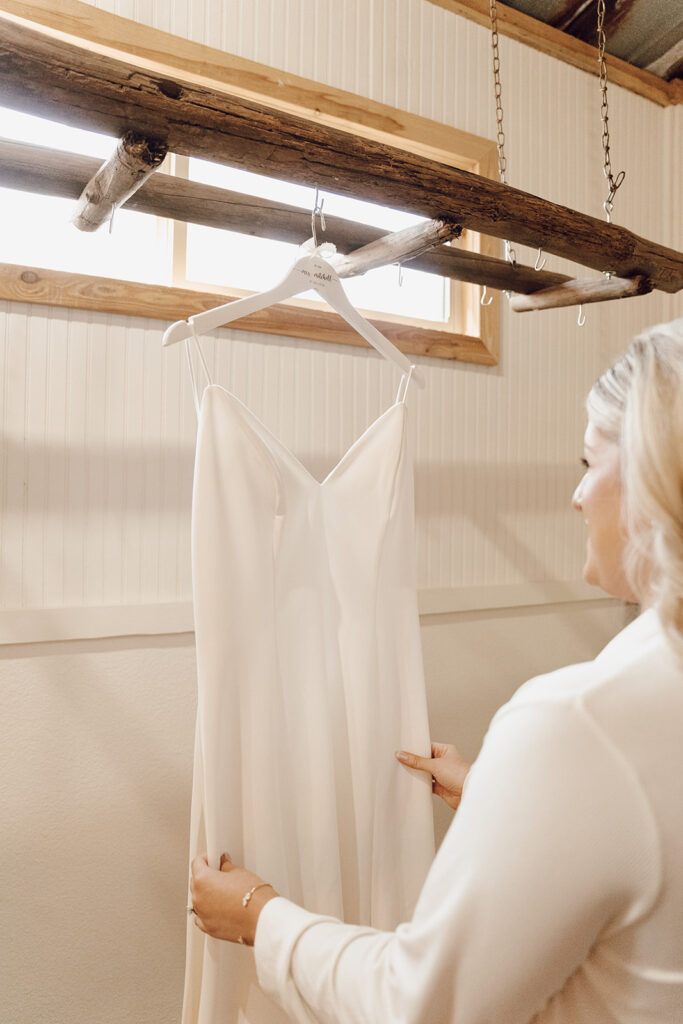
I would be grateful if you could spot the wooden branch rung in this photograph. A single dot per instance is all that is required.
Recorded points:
(398, 247)
(473, 268)
(132, 162)
(582, 291)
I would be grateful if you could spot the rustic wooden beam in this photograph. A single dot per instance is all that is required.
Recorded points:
(42, 72)
(581, 292)
(398, 247)
(261, 83)
(49, 172)
(132, 162)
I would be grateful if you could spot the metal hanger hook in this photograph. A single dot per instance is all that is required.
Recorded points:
(581, 319)
(317, 210)
(483, 300)
(540, 266)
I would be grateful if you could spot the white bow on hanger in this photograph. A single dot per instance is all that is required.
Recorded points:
(312, 270)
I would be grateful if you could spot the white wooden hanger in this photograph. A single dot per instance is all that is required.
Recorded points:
(309, 271)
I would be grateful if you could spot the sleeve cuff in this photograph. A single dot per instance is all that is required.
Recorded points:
(280, 925)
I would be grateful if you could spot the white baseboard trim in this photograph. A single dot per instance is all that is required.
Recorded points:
(42, 625)
(444, 600)
(45, 625)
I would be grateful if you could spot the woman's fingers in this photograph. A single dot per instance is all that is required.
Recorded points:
(447, 768)
(441, 749)
(199, 865)
(218, 899)
(423, 764)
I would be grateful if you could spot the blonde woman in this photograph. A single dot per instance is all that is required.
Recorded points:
(557, 894)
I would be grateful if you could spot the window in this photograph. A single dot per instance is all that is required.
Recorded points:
(213, 256)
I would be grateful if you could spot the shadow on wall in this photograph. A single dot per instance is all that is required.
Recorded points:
(493, 499)
(492, 521)
(99, 476)
(473, 488)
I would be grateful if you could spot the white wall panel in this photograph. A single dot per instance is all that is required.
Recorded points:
(98, 428)
(97, 434)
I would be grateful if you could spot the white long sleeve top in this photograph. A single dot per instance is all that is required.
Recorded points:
(557, 893)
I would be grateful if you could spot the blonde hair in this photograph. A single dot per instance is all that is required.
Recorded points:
(638, 404)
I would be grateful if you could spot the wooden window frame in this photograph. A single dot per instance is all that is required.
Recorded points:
(475, 338)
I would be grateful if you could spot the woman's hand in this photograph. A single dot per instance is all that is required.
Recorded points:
(447, 768)
(217, 899)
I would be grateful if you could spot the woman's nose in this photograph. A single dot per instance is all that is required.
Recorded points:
(576, 496)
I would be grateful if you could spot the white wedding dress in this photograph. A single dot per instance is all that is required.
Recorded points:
(309, 678)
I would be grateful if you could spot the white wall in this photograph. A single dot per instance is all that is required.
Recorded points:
(97, 429)
(96, 762)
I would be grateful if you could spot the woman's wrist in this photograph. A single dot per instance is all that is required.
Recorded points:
(256, 905)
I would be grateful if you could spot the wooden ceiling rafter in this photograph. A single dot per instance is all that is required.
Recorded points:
(579, 54)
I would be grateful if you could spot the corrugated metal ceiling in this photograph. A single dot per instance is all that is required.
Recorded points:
(646, 33)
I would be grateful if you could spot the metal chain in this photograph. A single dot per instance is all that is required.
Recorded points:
(613, 183)
(500, 137)
(510, 254)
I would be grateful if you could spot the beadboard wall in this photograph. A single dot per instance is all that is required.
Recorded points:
(97, 423)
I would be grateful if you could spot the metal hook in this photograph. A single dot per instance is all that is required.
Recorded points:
(317, 209)
(581, 319)
(400, 275)
(538, 256)
(483, 300)
(614, 185)
(510, 254)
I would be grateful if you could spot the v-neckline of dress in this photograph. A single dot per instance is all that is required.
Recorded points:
(268, 437)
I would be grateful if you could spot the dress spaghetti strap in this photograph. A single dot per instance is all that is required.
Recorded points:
(403, 385)
(190, 363)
